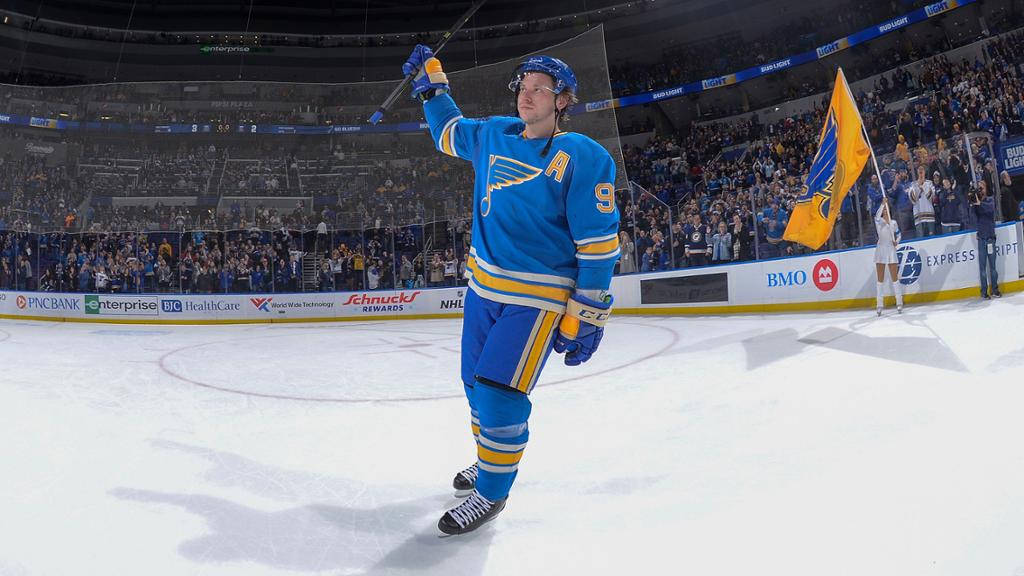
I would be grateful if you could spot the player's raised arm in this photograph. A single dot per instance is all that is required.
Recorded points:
(452, 134)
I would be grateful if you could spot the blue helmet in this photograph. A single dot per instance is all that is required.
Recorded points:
(558, 70)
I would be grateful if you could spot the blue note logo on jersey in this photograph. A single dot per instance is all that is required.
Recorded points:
(504, 172)
(821, 182)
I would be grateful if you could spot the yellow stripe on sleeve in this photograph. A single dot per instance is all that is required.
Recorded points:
(599, 247)
(445, 144)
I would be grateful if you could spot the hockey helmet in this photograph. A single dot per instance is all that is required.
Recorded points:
(559, 72)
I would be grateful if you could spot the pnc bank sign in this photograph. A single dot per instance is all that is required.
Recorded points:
(47, 303)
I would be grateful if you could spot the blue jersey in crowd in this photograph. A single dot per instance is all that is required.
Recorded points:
(542, 225)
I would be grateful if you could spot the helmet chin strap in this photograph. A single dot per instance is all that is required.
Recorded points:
(554, 129)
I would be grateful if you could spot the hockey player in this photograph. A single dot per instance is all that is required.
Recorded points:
(544, 245)
(885, 257)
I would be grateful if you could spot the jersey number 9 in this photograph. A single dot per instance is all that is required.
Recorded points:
(605, 198)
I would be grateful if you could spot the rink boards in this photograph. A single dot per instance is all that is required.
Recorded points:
(233, 308)
(938, 268)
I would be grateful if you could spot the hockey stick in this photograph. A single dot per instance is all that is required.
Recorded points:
(390, 100)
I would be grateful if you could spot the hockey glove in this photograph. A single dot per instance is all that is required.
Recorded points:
(581, 329)
(428, 77)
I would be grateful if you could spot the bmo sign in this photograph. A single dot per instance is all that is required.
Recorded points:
(824, 275)
(784, 279)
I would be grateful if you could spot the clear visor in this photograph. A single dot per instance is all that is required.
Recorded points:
(517, 83)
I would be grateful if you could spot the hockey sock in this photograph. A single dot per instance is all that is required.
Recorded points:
(879, 296)
(474, 415)
(897, 289)
(503, 436)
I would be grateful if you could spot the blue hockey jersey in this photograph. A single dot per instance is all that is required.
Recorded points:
(542, 225)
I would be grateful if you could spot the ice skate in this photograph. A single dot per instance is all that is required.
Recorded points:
(474, 512)
(465, 482)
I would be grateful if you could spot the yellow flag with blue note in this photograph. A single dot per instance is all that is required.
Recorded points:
(842, 153)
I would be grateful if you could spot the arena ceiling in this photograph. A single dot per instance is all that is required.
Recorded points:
(308, 16)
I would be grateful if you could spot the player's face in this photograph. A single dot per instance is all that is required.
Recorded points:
(536, 99)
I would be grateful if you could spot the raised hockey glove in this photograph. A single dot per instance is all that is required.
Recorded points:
(429, 79)
(581, 329)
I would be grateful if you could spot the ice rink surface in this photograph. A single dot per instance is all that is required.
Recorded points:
(804, 444)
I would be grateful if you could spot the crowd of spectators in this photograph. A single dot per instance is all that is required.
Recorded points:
(392, 193)
(35, 195)
(928, 172)
(238, 261)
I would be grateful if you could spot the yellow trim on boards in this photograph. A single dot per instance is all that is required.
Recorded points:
(849, 304)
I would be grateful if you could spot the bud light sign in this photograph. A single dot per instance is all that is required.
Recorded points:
(1011, 156)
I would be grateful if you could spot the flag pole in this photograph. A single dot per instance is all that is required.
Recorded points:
(863, 130)
(874, 161)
